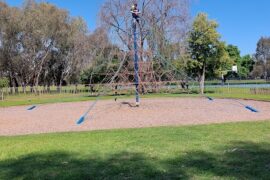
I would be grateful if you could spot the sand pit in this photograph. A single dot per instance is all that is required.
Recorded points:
(61, 117)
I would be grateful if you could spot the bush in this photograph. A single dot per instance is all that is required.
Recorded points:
(4, 82)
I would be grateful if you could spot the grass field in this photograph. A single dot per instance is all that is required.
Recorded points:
(224, 151)
(17, 100)
(220, 92)
(238, 93)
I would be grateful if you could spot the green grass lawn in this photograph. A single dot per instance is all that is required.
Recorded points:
(18, 100)
(224, 151)
(236, 93)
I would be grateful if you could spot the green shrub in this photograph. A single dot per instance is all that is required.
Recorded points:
(4, 82)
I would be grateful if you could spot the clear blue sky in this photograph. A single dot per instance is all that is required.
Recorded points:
(242, 22)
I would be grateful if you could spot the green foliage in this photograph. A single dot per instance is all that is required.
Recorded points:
(208, 54)
(4, 82)
(93, 75)
(206, 48)
(244, 64)
(234, 53)
(100, 71)
(41, 44)
(223, 151)
(247, 62)
(220, 63)
(203, 39)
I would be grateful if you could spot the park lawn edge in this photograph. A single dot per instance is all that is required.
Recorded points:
(82, 98)
(118, 130)
(237, 150)
(5, 104)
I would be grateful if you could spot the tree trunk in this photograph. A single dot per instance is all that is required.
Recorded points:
(12, 83)
(24, 88)
(48, 88)
(76, 88)
(2, 95)
(36, 85)
(59, 87)
(60, 83)
(265, 73)
(40, 69)
(202, 79)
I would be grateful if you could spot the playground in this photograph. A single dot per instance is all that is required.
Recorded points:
(148, 92)
(108, 114)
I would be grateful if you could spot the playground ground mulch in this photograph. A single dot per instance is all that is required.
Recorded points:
(108, 114)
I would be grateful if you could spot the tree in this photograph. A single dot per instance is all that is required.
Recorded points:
(41, 44)
(263, 55)
(244, 64)
(9, 40)
(208, 53)
(234, 53)
(70, 53)
(162, 33)
(166, 20)
(104, 58)
(45, 28)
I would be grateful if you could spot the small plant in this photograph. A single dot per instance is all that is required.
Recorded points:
(3, 83)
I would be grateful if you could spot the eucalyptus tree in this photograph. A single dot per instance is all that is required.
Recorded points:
(41, 44)
(262, 56)
(10, 43)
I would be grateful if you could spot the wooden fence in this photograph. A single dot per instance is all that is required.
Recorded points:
(94, 88)
(260, 91)
(128, 88)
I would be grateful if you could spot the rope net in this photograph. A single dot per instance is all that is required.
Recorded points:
(161, 64)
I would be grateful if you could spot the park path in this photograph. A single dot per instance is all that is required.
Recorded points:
(108, 114)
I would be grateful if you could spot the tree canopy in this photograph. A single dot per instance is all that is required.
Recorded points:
(244, 63)
(208, 54)
(262, 56)
(40, 43)
(43, 45)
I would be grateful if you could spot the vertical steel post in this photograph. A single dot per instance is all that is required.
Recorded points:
(136, 65)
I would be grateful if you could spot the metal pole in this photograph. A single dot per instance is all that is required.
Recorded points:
(136, 66)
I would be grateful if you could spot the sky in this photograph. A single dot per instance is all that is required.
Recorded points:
(241, 22)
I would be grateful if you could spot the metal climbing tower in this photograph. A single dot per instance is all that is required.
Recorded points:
(135, 20)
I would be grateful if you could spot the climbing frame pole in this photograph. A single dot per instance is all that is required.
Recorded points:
(136, 65)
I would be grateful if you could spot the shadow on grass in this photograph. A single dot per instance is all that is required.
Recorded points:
(60, 165)
(240, 160)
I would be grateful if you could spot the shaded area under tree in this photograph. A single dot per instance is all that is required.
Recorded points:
(238, 160)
